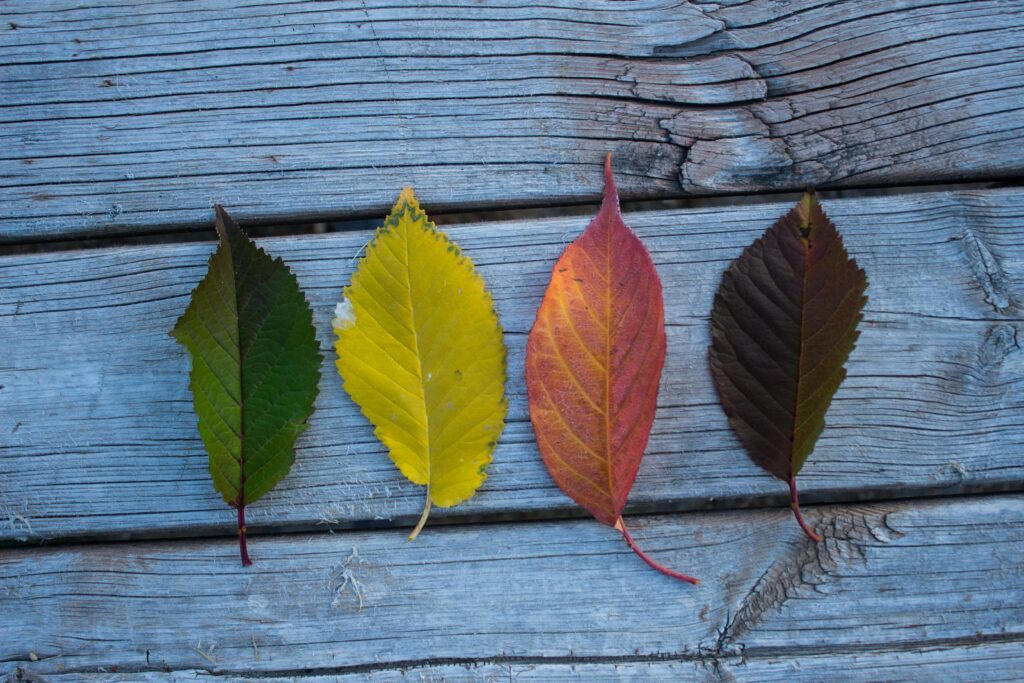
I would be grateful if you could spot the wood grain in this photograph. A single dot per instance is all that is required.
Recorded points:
(133, 117)
(901, 579)
(954, 664)
(98, 437)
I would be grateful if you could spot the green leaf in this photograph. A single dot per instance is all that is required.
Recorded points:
(421, 351)
(783, 324)
(255, 367)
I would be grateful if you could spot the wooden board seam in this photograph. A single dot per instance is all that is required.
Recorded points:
(708, 657)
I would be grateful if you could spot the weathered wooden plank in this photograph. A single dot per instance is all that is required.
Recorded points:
(136, 116)
(898, 577)
(99, 438)
(958, 664)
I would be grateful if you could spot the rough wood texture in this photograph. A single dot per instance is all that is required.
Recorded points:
(992, 662)
(896, 578)
(99, 437)
(129, 117)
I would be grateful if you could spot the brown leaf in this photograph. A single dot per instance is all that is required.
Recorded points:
(784, 322)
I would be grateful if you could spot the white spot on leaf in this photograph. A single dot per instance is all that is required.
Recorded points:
(344, 315)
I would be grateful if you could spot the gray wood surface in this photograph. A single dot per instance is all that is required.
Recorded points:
(991, 662)
(891, 578)
(98, 436)
(130, 117)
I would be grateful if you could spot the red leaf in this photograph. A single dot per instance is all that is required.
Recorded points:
(593, 363)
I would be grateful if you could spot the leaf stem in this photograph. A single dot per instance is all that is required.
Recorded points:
(621, 526)
(246, 562)
(423, 520)
(794, 503)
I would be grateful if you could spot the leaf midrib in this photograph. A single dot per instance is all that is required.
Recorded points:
(800, 356)
(416, 348)
(241, 365)
(608, 364)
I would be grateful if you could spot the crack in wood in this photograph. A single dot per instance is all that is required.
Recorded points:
(717, 666)
(770, 96)
(70, 592)
(808, 566)
(988, 270)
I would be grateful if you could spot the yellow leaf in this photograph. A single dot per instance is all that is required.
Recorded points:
(420, 350)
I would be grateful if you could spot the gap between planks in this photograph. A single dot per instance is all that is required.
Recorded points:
(1005, 651)
(569, 512)
(258, 228)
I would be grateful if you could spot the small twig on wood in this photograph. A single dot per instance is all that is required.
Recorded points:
(207, 654)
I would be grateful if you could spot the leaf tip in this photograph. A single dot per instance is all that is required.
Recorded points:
(610, 197)
(806, 208)
(406, 197)
(224, 223)
(609, 179)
